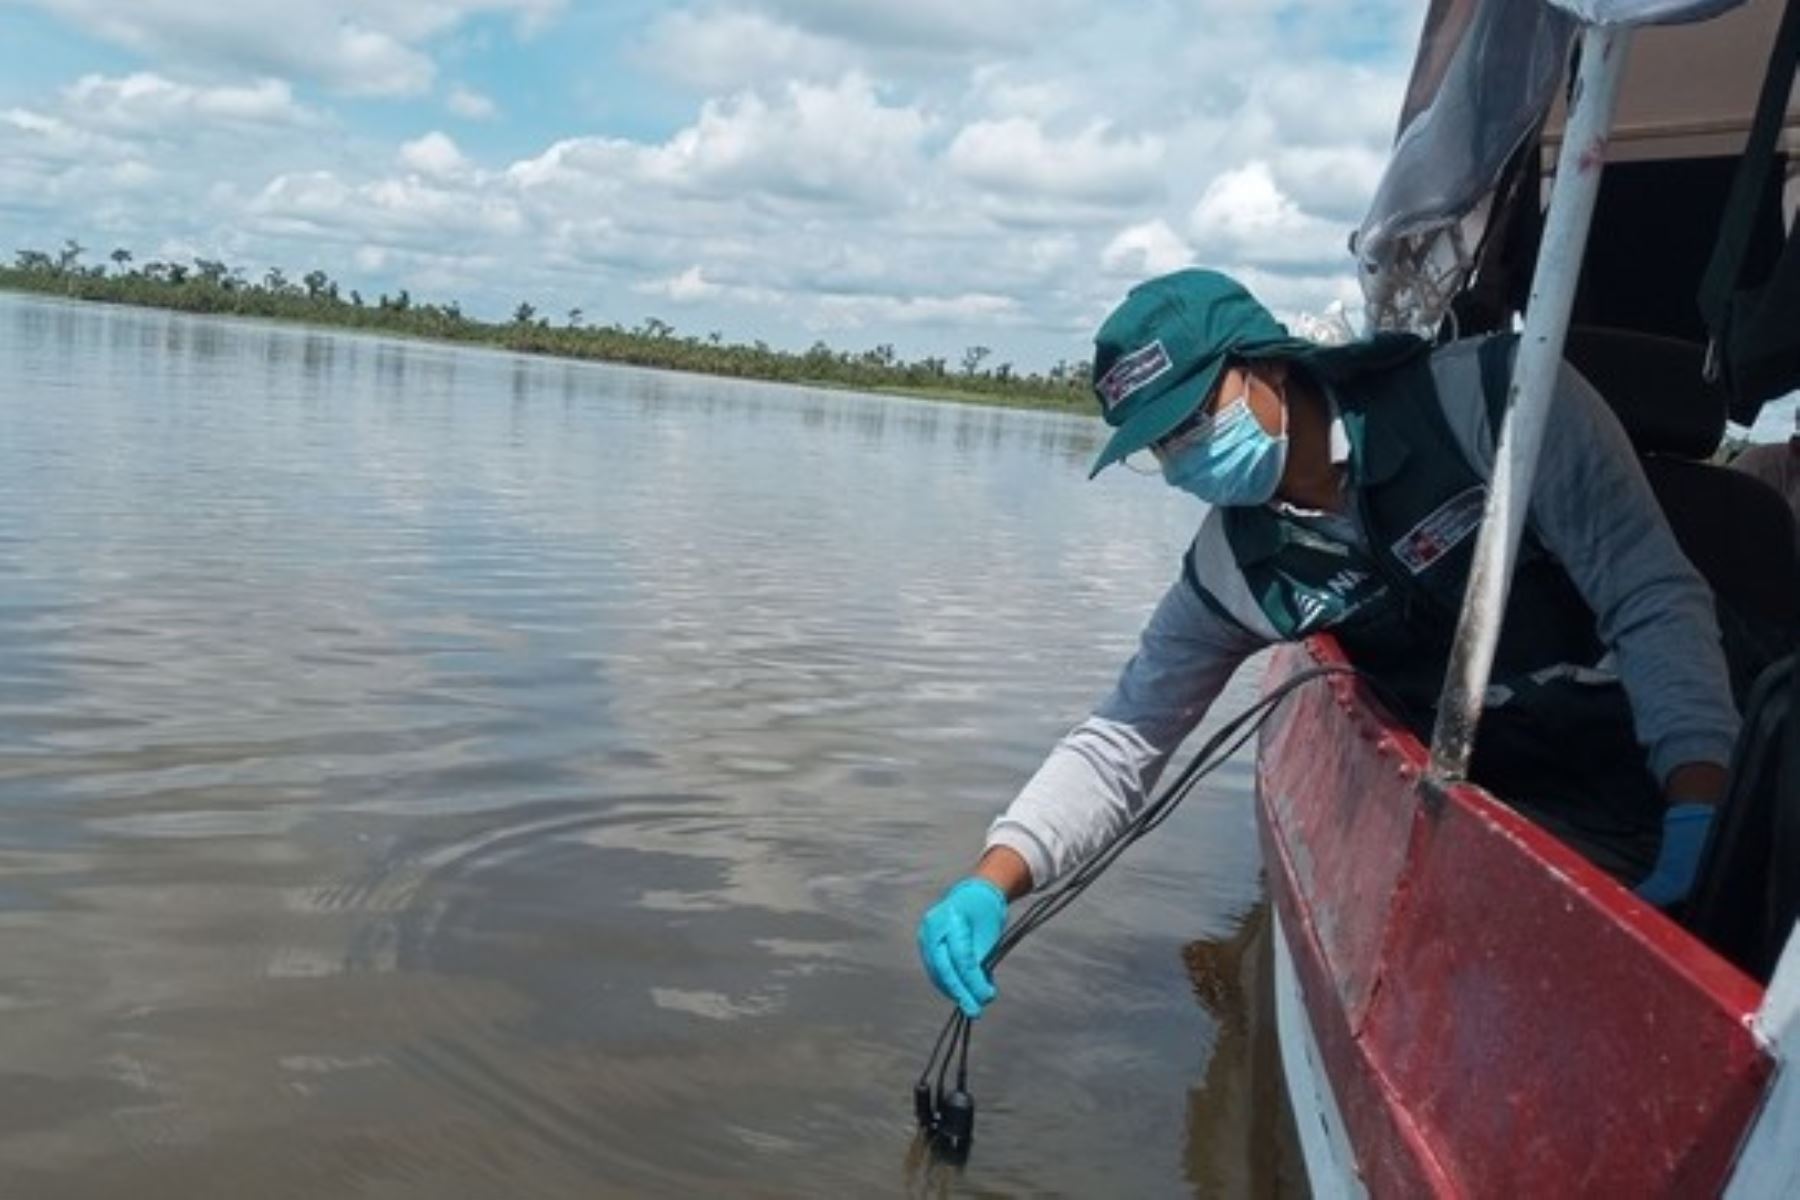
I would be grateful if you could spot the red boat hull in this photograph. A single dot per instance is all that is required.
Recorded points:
(1495, 1016)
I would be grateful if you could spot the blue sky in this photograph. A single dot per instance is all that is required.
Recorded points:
(931, 175)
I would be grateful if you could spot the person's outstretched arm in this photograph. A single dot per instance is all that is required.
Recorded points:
(1093, 782)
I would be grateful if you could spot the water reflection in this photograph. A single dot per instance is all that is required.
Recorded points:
(1241, 1136)
(428, 771)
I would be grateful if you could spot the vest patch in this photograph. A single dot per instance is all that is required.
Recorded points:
(1441, 530)
(1311, 609)
(1132, 373)
(1341, 595)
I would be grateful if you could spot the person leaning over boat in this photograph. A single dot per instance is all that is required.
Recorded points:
(1347, 485)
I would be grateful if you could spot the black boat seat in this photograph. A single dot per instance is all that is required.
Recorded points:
(1655, 386)
(1739, 534)
(1737, 531)
(1747, 896)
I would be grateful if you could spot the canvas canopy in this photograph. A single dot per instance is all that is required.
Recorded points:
(1486, 82)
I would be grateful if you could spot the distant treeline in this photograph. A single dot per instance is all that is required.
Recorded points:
(211, 286)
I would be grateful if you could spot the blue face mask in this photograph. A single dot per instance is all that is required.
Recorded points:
(1233, 462)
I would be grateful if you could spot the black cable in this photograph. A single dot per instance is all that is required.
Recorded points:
(952, 1131)
(938, 1046)
(958, 1023)
(1207, 759)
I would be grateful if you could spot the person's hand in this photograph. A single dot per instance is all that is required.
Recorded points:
(956, 934)
(1685, 827)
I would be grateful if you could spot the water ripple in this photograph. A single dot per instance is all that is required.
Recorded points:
(428, 772)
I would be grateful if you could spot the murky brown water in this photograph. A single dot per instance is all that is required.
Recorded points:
(432, 773)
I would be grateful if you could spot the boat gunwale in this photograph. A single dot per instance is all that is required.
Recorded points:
(1356, 1034)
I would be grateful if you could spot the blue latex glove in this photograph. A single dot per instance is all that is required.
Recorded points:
(1685, 827)
(956, 934)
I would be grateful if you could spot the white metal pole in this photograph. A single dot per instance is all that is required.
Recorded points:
(1578, 166)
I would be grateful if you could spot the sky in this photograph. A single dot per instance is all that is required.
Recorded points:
(927, 174)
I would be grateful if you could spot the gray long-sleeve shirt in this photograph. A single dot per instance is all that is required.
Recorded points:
(1590, 506)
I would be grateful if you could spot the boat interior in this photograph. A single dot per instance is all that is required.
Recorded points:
(1639, 335)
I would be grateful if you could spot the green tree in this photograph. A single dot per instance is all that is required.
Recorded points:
(210, 285)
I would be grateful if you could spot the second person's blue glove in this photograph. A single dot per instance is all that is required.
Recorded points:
(1685, 827)
(956, 934)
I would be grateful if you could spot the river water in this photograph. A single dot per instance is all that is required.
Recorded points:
(433, 772)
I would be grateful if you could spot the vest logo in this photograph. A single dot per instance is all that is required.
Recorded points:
(1442, 530)
(1332, 603)
(1131, 374)
(1311, 609)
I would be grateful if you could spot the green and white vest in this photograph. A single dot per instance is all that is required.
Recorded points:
(1419, 501)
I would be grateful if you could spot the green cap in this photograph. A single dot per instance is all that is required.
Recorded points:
(1161, 351)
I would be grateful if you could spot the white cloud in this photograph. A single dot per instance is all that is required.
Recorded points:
(366, 47)
(814, 143)
(811, 145)
(876, 312)
(998, 88)
(41, 137)
(148, 102)
(111, 157)
(469, 103)
(728, 50)
(1334, 181)
(411, 212)
(1244, 217)
(961, 27)
(1014, 156)
(50, 166)
(1151, 248)
(689, 286)
(434, 154)
(1332, 103)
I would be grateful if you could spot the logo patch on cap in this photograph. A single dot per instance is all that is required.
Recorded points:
(1131, 373)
